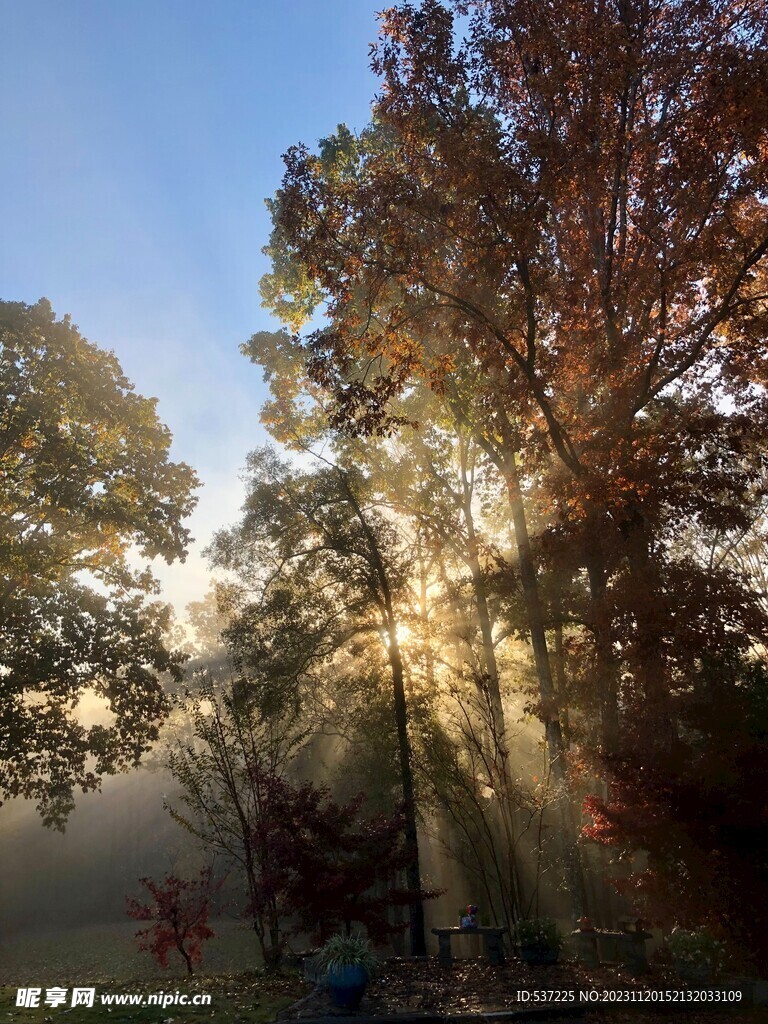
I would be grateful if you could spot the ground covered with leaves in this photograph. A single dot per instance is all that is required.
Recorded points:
(249, 998)
(474, 986)
(401, 987)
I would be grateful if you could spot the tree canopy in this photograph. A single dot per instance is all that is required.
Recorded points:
(556, 222)
(85, 483)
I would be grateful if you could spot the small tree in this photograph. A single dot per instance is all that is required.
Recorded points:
(330, 866)
(244, 734)
(698, 809)
(179, 909)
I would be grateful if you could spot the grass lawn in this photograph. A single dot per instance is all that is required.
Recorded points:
(107, 953)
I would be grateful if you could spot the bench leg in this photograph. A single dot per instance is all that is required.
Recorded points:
(637, 958)
(444, 950)
(586, 949)
(494, 947)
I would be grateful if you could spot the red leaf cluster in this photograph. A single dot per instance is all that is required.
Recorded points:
(179, 910)
(327, 865)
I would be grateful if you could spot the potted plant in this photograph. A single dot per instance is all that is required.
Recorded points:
(538, 941)
(469, 916)
(697, 955)
(349, 963)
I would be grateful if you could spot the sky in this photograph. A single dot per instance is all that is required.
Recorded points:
(140, 140)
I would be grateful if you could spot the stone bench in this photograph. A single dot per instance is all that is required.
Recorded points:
(596, 946)
(493, 938)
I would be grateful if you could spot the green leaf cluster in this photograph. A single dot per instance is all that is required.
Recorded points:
(347, 951)
(85, 482)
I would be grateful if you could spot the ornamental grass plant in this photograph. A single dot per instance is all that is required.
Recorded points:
(347, 951)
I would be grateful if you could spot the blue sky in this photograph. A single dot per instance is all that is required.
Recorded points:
(139, 142)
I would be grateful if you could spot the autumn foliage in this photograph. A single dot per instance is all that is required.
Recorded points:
(697, 808)
(179, 909)
(556, 223)
(328, 866)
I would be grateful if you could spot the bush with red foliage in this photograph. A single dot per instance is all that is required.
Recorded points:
(180, 909)
(697, 807)
(326, 865)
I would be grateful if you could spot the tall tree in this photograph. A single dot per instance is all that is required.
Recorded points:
(574, 193)
(85, 475)
(572, 199)
(316, 530)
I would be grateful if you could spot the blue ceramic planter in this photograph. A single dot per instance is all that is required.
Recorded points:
(347, 986)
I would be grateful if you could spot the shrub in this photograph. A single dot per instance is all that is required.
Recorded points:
(179, 909)
(696, 948)
(540, 932)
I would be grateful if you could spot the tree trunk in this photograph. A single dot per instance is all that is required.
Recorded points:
(383, 597)
(606, 669)
(499, 754)
(187, 958)
(535, 616)
(413, 871)
(549, 710)
(561, 684)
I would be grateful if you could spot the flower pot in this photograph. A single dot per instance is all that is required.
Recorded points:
(539, 956)
(347, 986)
